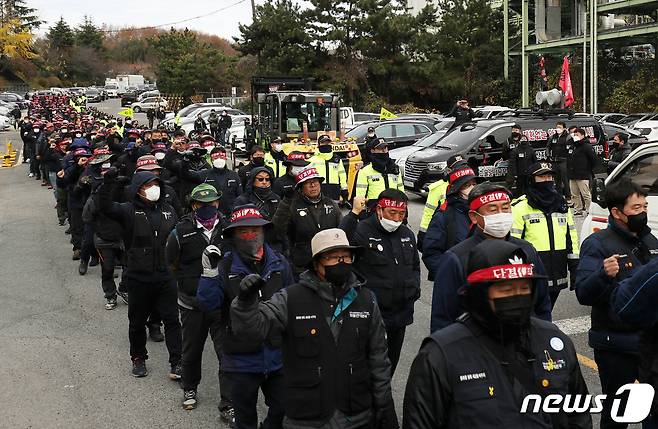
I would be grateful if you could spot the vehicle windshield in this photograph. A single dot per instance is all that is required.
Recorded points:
(317, 116)
(360, 117)
(111, 87)
(429, 140)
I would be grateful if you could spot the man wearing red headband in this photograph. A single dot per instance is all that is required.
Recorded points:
(450, 223)
(390, 264)
(490, 211)
(476, 372)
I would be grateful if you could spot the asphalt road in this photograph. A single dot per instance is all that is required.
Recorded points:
(65, 360)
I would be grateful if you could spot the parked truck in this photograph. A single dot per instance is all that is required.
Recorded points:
(129, 82)
(285, 107)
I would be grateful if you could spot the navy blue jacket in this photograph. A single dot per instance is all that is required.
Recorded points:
(435, 243)
(635, 299)
(210, 296)
(596, 289)
(451, 276)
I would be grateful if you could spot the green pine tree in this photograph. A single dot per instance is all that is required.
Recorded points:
(60, 36)
(89, 35)
(17, 9)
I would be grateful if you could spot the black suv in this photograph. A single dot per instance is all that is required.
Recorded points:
(480, 142)
(397, 132)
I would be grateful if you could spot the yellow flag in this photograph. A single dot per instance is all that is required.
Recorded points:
(128, 113)
(385, 114)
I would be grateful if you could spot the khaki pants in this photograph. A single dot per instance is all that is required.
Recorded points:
(580, 194)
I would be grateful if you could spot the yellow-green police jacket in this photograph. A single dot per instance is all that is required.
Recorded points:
(556, 240)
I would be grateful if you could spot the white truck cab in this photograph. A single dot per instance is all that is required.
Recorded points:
(641, 166)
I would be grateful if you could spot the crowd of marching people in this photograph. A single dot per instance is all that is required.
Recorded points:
(306, 291)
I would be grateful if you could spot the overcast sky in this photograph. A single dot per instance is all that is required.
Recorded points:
(143, 13)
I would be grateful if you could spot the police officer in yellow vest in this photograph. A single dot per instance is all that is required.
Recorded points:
(380, 174)
(331, 168)
(435, 197)
(275, 157)
(556, 241)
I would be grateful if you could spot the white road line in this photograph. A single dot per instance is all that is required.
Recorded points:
(575, 325)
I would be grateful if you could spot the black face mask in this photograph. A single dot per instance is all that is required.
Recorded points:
(258, 161)
(516, 136)
(338, 274)
(379, 161)
(263, 191)
(325, 148)
(637, 222)
(513, 310)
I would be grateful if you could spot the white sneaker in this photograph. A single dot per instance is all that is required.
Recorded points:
(30, 175)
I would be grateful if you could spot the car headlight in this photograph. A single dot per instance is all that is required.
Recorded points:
(436, 166)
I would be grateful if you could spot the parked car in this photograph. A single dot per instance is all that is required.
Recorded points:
(146, 94)
(128, 98)
(633, 118)
(480, 143)
(93, 95)
(635, 136)
(613, 118)
(396, 132)
(648, 128)
(14, 98)
(149, 103)
(187, 123)
(189, 109)
(641, 166)
(112, 90)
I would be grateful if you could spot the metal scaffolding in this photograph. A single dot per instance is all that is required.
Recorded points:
(588, 30)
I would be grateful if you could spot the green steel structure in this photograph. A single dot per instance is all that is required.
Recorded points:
(565, 26)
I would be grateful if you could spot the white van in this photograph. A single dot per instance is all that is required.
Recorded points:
(641, 166)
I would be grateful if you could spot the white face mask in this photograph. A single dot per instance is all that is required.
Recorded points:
(106, 166)
(297, 170)
(576, 138)
(389, 225)
(152, 193)
(159, 156)
(498, 225)
(219, 163)
(276, 147)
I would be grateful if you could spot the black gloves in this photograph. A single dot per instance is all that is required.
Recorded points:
(250, 286)
(386, 418)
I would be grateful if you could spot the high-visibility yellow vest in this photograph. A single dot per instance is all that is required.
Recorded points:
(370, 182)
(435, 197)
(531, 224)
(333, 172)
(277, 166)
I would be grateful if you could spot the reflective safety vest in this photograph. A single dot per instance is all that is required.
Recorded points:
(331, 168)
(556, 241)
(119, 129)
(276, 166)
(435, 197)
(370, 182)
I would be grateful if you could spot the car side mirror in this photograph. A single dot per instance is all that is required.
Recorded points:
(598, 193)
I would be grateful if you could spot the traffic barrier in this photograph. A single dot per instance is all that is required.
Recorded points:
(9, 158)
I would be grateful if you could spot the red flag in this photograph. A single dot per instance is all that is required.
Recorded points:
(565, 83)
(543, 84)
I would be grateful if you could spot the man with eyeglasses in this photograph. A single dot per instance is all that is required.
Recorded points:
(258, 191)
(390, 264)
(335, 361)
